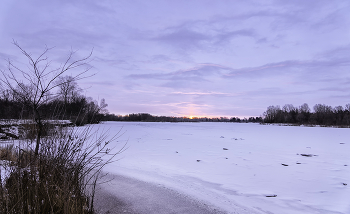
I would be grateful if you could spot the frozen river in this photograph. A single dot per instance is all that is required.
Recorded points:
(240, 168)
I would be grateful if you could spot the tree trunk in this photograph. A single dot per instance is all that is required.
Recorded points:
(39, 131)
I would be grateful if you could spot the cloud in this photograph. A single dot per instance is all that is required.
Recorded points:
(198, 73)
(316, 68)
(224, 37)
(188, 38)
(183, 38)
(336, 89)
(340, 53)
(201, 93)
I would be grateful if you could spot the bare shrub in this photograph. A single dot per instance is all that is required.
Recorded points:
(62, 178)
(54, 169)
(33, 86)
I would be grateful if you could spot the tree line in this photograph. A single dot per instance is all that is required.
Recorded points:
(322, 114)
(67, 104)
(41, 90)
(146, 117)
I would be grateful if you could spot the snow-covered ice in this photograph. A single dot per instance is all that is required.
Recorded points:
(241, 167)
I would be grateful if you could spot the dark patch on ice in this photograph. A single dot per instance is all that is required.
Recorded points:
(345, 184)
(307, 155)
(222, 137)
(269, 196)
(225, 148)
(341, 143)
(284, 164)
(198, 160)
(236, 138)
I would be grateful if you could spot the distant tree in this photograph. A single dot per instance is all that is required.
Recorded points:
(339, 115)
(92, 111)
(323, 114)
(347, 107)
(290, 113)
(304, 114)
(67, 88)
(346, 118)
(255, 119)
(273, 114)
(304, 108)
(235, 119)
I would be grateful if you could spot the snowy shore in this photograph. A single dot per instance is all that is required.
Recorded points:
(128, 195)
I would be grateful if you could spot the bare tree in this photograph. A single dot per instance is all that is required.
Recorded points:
(34, 85)
(94, 112)
(272, 114)
(67, 88)
(347, 107)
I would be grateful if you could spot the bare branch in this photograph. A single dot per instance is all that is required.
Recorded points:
(33, 86)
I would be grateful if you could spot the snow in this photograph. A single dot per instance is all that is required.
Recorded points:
(240, 167)
(14, 122)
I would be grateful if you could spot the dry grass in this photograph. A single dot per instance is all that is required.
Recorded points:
(8, 153)
(30, 130)
(61, 179)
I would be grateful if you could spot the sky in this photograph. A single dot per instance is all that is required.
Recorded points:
(231, 58)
